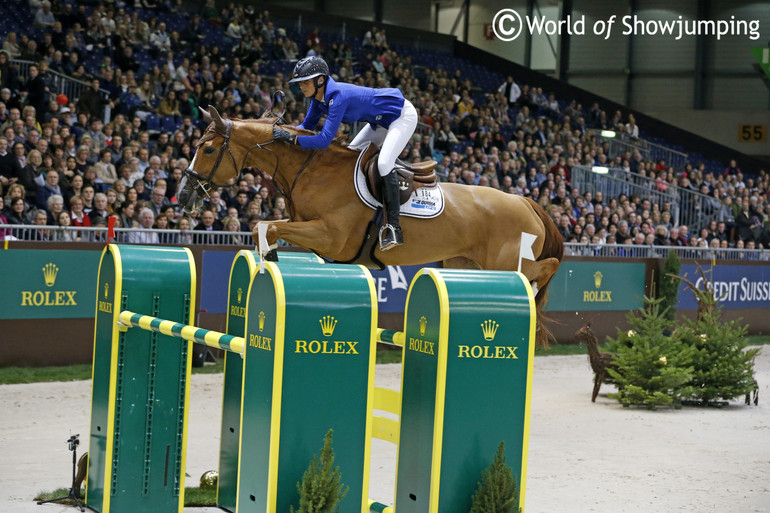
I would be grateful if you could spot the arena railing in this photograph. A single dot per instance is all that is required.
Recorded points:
(620, 144)
(36, 233)
(688, 207)
(61, 84)
(647, 251)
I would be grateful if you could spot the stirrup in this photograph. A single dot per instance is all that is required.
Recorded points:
(390, 237)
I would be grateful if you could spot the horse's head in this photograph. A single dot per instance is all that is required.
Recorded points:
(216, 161)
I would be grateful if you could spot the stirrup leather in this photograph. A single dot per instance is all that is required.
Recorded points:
(390, 237)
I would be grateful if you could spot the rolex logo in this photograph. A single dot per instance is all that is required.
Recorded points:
(489, 328)
(49, 273)
(598, 279)
(328, 324)
(106, 290)
(423, 323)
(261, 318)
(239, 293)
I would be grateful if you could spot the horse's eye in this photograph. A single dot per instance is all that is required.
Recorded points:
(208, 150)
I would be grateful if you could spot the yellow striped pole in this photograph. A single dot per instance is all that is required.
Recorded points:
(395, 338)
(184, 331)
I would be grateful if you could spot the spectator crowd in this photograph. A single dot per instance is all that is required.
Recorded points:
(79, 161)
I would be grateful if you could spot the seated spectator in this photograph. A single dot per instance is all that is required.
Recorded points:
(54, 205)
(99, 212)
(64, 221)
(232, 224)
(209, 223)
(162, 223)
(144, 233)
(11, 46)
(105, 169)
(18, 212)
(40, 219)
(44, 18)
(158, 200)
(50, 187)
(631, 128)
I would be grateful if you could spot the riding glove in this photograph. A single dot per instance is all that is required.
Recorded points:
(284, 136)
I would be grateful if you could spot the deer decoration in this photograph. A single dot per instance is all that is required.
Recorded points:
(600, 361)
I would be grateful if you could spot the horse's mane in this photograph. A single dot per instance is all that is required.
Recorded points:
(296, 130)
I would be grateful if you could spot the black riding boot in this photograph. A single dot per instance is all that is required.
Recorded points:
(390, 234)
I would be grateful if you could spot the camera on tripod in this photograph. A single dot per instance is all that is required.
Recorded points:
(73, 442)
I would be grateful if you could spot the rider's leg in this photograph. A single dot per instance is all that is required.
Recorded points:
(367, 135)
(398, 135)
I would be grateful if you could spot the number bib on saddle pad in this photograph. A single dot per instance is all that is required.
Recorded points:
(425, 202)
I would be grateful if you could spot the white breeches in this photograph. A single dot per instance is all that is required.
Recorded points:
(392, 140)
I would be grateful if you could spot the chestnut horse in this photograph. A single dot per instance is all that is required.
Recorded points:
(480, 227)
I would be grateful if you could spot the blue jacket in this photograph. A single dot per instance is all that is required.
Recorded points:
(349, 103)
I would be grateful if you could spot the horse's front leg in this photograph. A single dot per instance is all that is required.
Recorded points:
(306, 234)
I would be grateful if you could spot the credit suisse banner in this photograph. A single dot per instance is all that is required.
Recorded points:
(736, 286)
(56, 284)
(391, 284)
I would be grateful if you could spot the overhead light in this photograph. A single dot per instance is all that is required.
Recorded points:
(608, 133)
(600, 170)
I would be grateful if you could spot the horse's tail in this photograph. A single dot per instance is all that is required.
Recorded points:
(553, 247)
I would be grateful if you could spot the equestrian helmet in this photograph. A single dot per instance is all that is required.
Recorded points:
(309, 67)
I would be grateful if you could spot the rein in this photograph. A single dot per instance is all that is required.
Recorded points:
(206, 183)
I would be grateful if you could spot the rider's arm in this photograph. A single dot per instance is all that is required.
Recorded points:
(325, 137)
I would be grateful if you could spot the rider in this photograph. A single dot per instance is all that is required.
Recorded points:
(391, 122)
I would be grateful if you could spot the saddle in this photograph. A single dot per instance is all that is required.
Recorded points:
(410, 176)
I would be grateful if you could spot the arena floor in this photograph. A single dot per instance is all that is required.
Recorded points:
(583, 457)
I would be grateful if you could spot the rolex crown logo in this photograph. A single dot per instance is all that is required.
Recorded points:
(489, 328)
(261, 320)
(106, 290)
(328, 323)
(598, 279)
(239, 293)
(49, 273)
(423, 324)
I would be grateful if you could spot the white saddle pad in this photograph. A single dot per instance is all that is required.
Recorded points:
(424, 202)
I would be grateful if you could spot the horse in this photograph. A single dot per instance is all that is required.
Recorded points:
(480, 227)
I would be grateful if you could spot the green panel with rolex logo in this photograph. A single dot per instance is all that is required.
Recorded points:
(592, 286)
(312, 366)
(137, 439)
(469, 346)
(244, 265)
(47, 284)
(420, 366)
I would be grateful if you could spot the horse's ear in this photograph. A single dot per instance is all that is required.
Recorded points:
(216, 118)
(206, 115)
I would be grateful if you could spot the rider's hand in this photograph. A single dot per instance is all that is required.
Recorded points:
(283, 136)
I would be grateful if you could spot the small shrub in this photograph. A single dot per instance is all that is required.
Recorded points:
(321, 490)
(497, 492)
(654, 365)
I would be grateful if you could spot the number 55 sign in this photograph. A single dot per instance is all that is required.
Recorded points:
(752, 133)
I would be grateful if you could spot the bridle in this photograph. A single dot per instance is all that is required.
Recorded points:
(206, 182)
